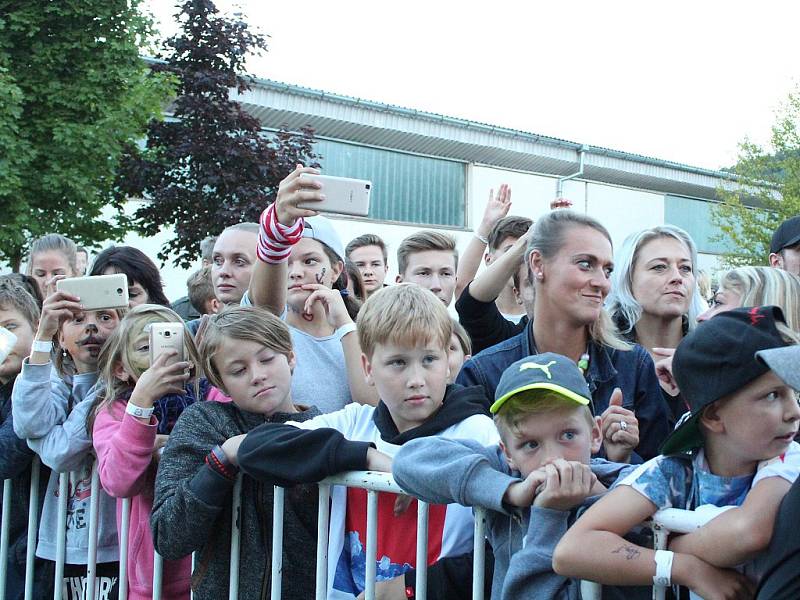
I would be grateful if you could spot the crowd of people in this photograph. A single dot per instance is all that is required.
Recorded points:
(580, 390)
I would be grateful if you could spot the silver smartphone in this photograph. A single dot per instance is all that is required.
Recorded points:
(342, 195)
(7, 342)
(97, 291)
(166, 336)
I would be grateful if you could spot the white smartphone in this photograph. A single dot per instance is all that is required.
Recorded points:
(342, 195)
(166, 336)
(98, 291)
(7, 342)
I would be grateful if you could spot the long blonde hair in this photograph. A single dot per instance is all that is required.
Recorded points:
(766, 286)
(117, 351)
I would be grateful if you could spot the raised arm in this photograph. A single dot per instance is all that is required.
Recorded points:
(278, 229)
(487, 286)
(470, 261)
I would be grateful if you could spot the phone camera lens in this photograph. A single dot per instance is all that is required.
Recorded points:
(119, 291)
(368, 186)
(167, 334)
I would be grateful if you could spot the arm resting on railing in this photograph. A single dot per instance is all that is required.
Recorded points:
(740, 533)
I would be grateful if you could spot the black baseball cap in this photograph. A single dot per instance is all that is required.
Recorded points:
(547, 371)
(719, 358)
(787, 234)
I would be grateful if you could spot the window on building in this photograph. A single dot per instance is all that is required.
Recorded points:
(694, 217)
(406, 187)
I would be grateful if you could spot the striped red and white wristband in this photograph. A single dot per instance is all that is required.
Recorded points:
(275, 240)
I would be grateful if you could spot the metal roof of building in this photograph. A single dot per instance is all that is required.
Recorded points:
(361, 121)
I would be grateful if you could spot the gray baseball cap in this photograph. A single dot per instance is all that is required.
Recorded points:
(785, 362)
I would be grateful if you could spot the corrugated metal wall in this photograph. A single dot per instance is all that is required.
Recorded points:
(406, 187)
(694, 216)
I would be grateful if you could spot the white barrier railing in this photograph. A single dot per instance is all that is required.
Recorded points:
(663, 523)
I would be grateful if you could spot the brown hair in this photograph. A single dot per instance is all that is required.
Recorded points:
(463, 337)
(510, 226)
(368, 239)
(404, 314)
(200, 289)
(424, 241)
(14, 296)
(246, 323)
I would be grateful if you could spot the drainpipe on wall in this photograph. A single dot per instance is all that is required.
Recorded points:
(560, 201)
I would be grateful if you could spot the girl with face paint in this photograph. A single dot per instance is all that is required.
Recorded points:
(135, 410)
(50, 400)
(300, 276)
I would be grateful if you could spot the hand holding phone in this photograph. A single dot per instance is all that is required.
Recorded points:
(343, 195)
(165, 337)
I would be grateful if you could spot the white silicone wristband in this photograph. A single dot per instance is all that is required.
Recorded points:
(138, 411)
(663, 576)
(42, 346)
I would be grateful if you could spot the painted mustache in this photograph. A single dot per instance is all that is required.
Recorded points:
(91, 340)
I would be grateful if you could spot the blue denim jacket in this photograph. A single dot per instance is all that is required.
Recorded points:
(632, 371)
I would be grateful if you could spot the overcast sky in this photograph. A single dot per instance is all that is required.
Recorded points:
(683, 81)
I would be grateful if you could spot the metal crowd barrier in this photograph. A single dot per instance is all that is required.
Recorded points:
(663, 523)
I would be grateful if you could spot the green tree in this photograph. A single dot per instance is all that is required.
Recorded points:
(74, 94)
(212, 165)
(768, 191)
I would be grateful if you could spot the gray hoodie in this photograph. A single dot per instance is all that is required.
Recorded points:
(440, 471)
(50, 412)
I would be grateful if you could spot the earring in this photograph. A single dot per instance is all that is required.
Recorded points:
(539, 276)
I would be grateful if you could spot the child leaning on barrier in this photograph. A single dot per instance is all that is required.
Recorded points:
(737, 372)
(50, 404)
(19, 314)
(533, 482)
(247, 353)
(133, 415)
(404, 331)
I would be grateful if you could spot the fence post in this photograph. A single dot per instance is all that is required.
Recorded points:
(158, 575)
(277, 542)
(4, 533)
(323, 521)
(236, 520)
(421, 581)
(61, 535)
(479, 549)
(372, 544)
(123, 548)
(94, 517)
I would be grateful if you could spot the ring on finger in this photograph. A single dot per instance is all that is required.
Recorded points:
(623, 426)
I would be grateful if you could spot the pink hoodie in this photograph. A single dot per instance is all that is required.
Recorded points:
(124, 447)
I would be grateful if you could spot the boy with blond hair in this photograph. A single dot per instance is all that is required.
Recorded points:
(735, 449)
(533, 481)
(404, 333)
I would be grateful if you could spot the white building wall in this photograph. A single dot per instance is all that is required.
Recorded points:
(620, 209)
